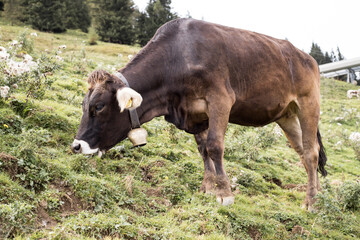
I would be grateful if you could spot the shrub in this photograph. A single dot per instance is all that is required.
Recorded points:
(15, 217)
(251, 182)
(331, 205)
(21, 107)
(27, 44)
(288, 219)
(9, 122)
(25, 165)
(100, 225)
(349, 195)
(354, 140)
(27, 74)
(48, 121)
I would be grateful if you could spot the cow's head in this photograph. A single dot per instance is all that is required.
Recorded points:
(104, 122)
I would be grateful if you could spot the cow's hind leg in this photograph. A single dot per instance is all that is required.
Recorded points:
(208, 185)
(300, 127)
(309, 118)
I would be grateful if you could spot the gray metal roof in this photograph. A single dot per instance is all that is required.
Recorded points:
(341, 65)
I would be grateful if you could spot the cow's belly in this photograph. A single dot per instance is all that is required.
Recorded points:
(252, 113)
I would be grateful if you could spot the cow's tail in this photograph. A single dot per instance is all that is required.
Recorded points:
(322, 156)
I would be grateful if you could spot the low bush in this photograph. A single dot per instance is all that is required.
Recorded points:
(9, 122)
(17, 217)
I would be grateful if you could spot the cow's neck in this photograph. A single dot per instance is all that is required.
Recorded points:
(148, 81)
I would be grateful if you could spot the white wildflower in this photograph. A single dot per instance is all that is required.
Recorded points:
(4, 56)
(339, 118)
(59, 58)
(14, 43)
(120, 55)
(62, 47)
(234, 180)
(4, 91)
(34, 34)
(15, 86)
(27, 58)
(130, 56)
(15, 68)
(338, 144)
(355, 137)
(59, 52)
(2, 49)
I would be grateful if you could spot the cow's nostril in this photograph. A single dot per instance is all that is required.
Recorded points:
(77, 148)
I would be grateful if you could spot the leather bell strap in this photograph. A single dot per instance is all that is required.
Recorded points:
(135, 123)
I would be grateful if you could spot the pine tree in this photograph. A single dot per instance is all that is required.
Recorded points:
(327, 58)
(77, 15)
(114, 21)
(157, 13)
(14, 11)
(46, 15)
(333, 56)
(340, 56)
(317, 54)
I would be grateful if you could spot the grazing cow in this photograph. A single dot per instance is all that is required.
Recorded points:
(201, 76)
(353, 93)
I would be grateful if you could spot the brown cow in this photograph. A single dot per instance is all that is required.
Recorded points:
(201, 76)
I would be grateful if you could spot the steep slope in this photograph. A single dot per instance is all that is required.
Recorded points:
(152, 192)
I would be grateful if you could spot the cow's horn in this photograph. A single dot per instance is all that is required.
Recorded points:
(137, 137)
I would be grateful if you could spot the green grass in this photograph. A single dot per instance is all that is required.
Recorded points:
(152, 192)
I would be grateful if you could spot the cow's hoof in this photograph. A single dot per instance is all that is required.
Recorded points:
(308, 208)
(208, 185)
(225, 201)
(207, 189)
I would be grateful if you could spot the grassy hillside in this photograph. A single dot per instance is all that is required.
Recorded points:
(46, 192)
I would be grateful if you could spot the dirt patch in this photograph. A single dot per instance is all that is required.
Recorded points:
(71, 203)
(298, 230)
(278, 182)
(254, 233)
(296, 187)
(158, 196)
(154, 192)
(44, 220)
(147, 176)
(10, 164)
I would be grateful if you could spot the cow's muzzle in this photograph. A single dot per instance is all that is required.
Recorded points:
(80, 146)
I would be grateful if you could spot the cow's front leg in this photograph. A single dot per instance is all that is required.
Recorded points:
(218, 119)
(208, 184)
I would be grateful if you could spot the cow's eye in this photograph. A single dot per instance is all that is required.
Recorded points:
(99, 107)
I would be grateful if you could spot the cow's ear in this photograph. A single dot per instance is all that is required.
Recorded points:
(128, 98)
